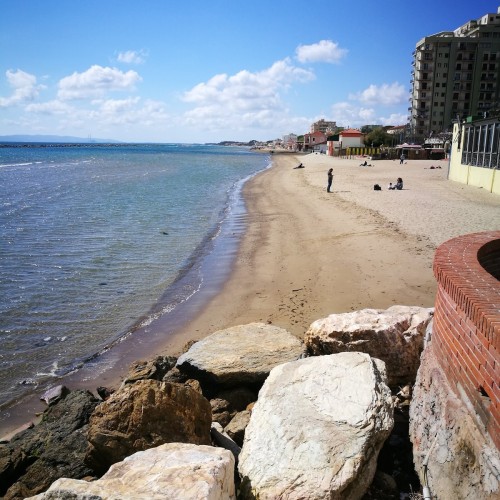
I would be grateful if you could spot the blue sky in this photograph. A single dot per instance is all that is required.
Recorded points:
(199, 71)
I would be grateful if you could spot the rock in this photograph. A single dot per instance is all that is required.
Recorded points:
(153, 369)
(104, 392)
(463, 461)
(221, 438)
(395, 335)
(221, 411)
(240, 355)
(175, 376)
(174, 470)
(317, 428)
(194, 384)
(54, 394)
(54, 448)
(236, 428)
(145, 415)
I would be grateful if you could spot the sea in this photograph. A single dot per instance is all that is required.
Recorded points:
(106, 249)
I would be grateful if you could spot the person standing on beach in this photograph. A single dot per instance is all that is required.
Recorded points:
(330, 180)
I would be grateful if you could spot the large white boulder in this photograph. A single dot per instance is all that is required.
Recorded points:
(394, 335)
(317, 428)
(243, 354)
(174, 470)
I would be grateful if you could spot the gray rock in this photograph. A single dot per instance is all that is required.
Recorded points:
(221, 438)
(54, 394)
(317, 428)
(145, 415)
(240, 355)
(175, 470)
(395, 335)
(54, 448)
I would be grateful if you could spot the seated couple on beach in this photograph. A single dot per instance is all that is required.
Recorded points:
(398, 185)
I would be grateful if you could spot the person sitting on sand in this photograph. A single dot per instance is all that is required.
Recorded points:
(399, 184)
(299, 166)
(390, 186)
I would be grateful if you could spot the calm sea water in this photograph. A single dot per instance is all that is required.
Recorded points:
(93, 238)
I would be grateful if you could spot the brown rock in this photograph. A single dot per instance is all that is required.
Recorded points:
(236, 428)
(145, 415)
(153, 369)
(221, 411)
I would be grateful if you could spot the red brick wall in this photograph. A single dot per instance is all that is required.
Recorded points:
(466, 332)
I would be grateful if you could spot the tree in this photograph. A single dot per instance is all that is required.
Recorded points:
(377, 137)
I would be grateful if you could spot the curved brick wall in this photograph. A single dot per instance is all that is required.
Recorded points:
(466, 332)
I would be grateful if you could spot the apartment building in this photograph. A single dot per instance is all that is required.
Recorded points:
(323, 126)
(455, 74)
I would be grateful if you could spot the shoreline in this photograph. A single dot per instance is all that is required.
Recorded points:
(305, 254)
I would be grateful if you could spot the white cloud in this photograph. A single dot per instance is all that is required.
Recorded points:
(386, 94)
(132, 56)
(394, 119)
(54, 107)
(245, 99)
(129, 111)
(24, 87)
(347, 115)
(96, 82)
(323, 51)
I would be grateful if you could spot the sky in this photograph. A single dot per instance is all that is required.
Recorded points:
(210, 71)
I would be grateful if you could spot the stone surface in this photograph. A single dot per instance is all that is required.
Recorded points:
(222, 439)
(171, 471)
(154, 369)
(395, 335)
(54, 448)
(240, 355)
(144, 415)
(463, 461)
(54, 394)
(236, 428)
(317, 428)
(221, 411)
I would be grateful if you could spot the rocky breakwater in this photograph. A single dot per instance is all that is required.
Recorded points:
(320, 417)
(394, 335)
(317, 429)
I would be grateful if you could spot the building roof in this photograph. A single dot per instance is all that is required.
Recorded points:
(351, 132)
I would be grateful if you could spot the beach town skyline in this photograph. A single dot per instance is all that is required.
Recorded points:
(210, 73)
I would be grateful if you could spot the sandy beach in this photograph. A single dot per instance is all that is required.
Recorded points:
(308, 253)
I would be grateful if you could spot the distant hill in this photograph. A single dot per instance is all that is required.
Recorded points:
(55, 139)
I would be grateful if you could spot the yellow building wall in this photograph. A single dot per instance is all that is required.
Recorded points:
(486, 178)
(481, 177)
